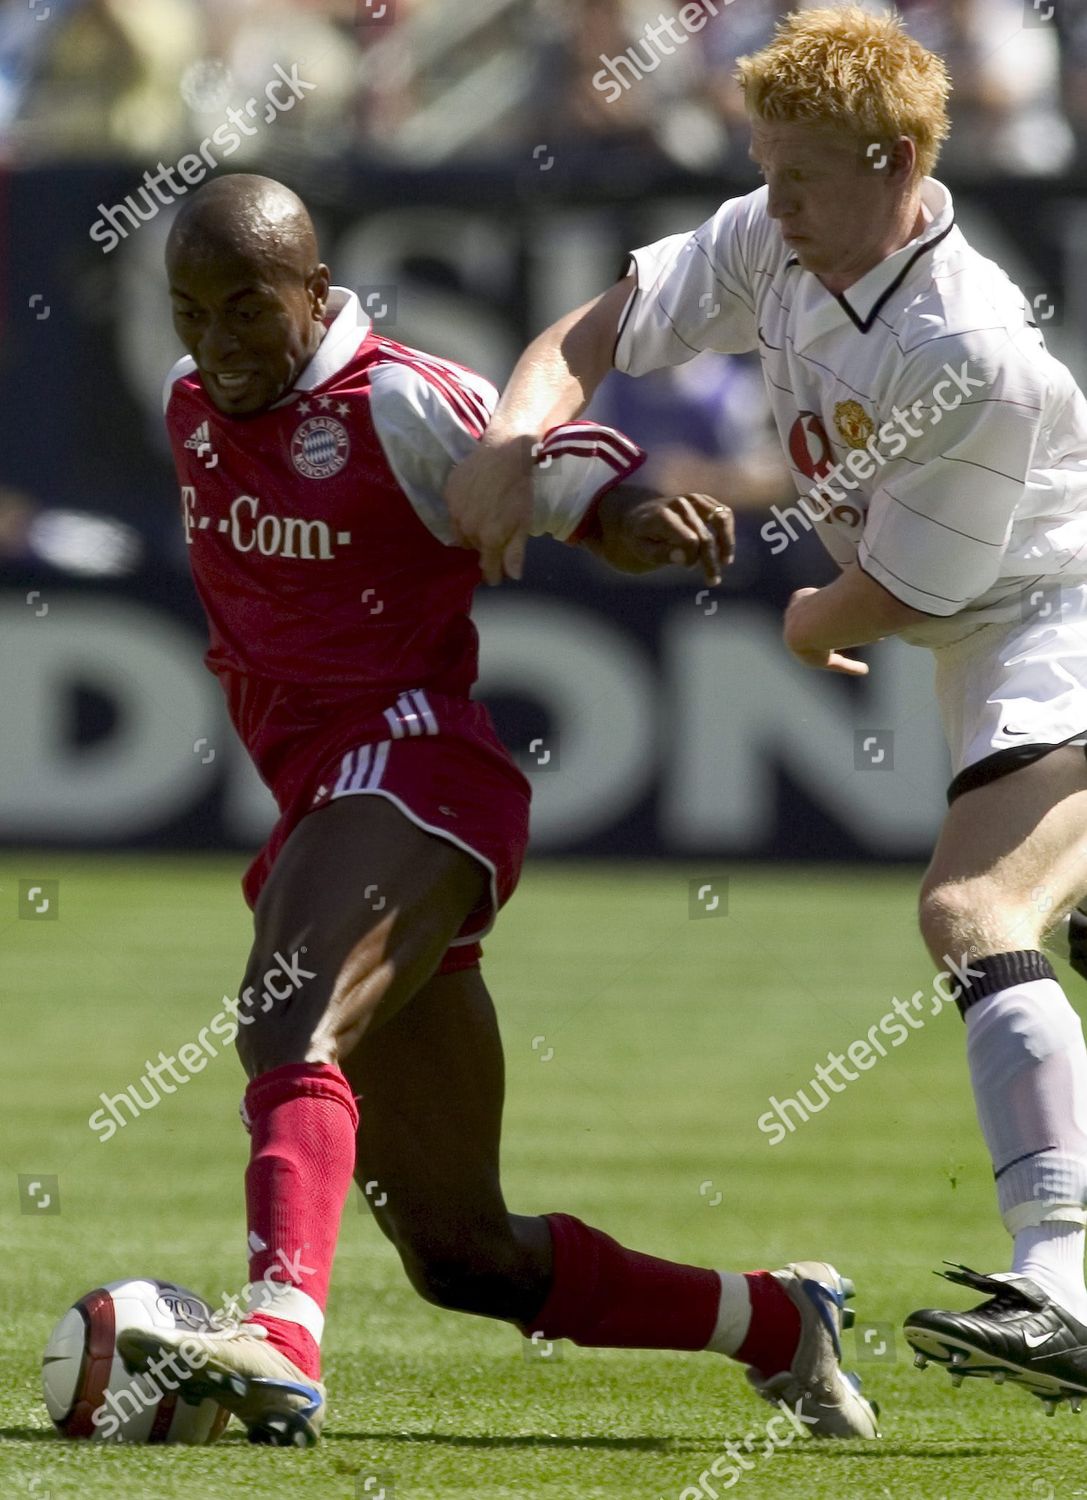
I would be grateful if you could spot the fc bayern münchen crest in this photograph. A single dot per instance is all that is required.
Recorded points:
(320, 447)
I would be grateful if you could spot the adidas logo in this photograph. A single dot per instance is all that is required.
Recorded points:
(200, 440)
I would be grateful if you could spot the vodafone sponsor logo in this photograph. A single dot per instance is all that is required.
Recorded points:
(248, 529)
(872, 447)
(811, 452)
(809, 446)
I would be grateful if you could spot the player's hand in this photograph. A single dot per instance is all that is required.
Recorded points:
(640, 532)
(489, 496)
(811, 656)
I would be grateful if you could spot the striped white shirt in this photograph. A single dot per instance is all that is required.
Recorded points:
(944, 447)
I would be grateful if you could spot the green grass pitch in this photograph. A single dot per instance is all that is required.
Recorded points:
(642, 1047)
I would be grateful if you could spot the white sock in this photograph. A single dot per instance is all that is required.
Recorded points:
(1028, 1066)
(278, 1299)
(733, 1314)
(1052, 1256)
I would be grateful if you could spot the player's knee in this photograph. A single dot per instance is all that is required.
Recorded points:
(262, 1048)
(281, 1008)
(255, 1054)
(961, 917)
(949, 914)
(446, 1280)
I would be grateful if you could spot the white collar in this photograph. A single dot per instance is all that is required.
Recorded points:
(348, 328)
(862, 301)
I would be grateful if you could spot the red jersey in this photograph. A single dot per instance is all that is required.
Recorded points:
(318, 539)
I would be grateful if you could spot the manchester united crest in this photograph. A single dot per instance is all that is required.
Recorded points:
(320, 447)
(853, 422)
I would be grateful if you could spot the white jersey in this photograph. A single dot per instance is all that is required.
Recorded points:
(934, 438)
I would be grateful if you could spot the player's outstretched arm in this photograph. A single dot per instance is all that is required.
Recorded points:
(636, 530)
(854, 610)
(489, 494)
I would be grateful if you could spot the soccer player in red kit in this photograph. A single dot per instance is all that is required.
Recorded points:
(312, 454)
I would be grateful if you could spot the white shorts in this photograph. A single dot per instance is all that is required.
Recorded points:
(1009, 693)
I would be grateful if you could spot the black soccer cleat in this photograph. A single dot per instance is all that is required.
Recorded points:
(1019, 1334)
(1068, 940)
(1077, 941)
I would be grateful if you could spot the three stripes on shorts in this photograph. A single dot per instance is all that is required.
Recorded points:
(362, 769)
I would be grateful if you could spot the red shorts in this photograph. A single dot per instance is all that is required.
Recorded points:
(441, 763)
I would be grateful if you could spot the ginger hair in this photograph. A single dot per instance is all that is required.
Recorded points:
(843, 67)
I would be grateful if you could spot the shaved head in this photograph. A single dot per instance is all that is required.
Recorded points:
(252, 218)
(248, 288)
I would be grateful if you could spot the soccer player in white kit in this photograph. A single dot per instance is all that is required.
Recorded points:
(942, 455)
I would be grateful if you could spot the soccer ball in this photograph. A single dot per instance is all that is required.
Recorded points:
(89, 1392)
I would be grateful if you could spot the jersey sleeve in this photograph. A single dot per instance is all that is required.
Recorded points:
(184, 366)
(574, 467)
(696, 291)
(939, 523)
(425, 429)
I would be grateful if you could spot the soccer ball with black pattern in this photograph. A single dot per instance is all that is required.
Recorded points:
(91, 1395)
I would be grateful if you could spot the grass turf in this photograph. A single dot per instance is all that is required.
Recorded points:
(642, 1047)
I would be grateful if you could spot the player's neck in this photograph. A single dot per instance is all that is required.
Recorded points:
(914, 218)
(322, 332)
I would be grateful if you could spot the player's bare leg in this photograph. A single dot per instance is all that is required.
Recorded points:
(431, 1084)
(431, 1087)
(375, 902)
(1011, 860)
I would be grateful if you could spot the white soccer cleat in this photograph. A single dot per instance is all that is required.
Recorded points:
(826, 1397)
(238, 1368)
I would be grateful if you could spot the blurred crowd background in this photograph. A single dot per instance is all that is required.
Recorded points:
(475, 170)
(423, 81)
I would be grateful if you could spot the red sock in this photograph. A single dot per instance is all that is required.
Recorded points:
(607, 1297)
(775, 1326)
(302, 1119)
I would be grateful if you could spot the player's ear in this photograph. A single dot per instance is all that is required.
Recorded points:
(903, 162)
(317, 286)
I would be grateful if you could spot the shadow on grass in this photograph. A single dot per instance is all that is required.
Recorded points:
(236, 1438)
(506, 1440)
(844, 1451)
(881, 1451)
(677, 1447)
